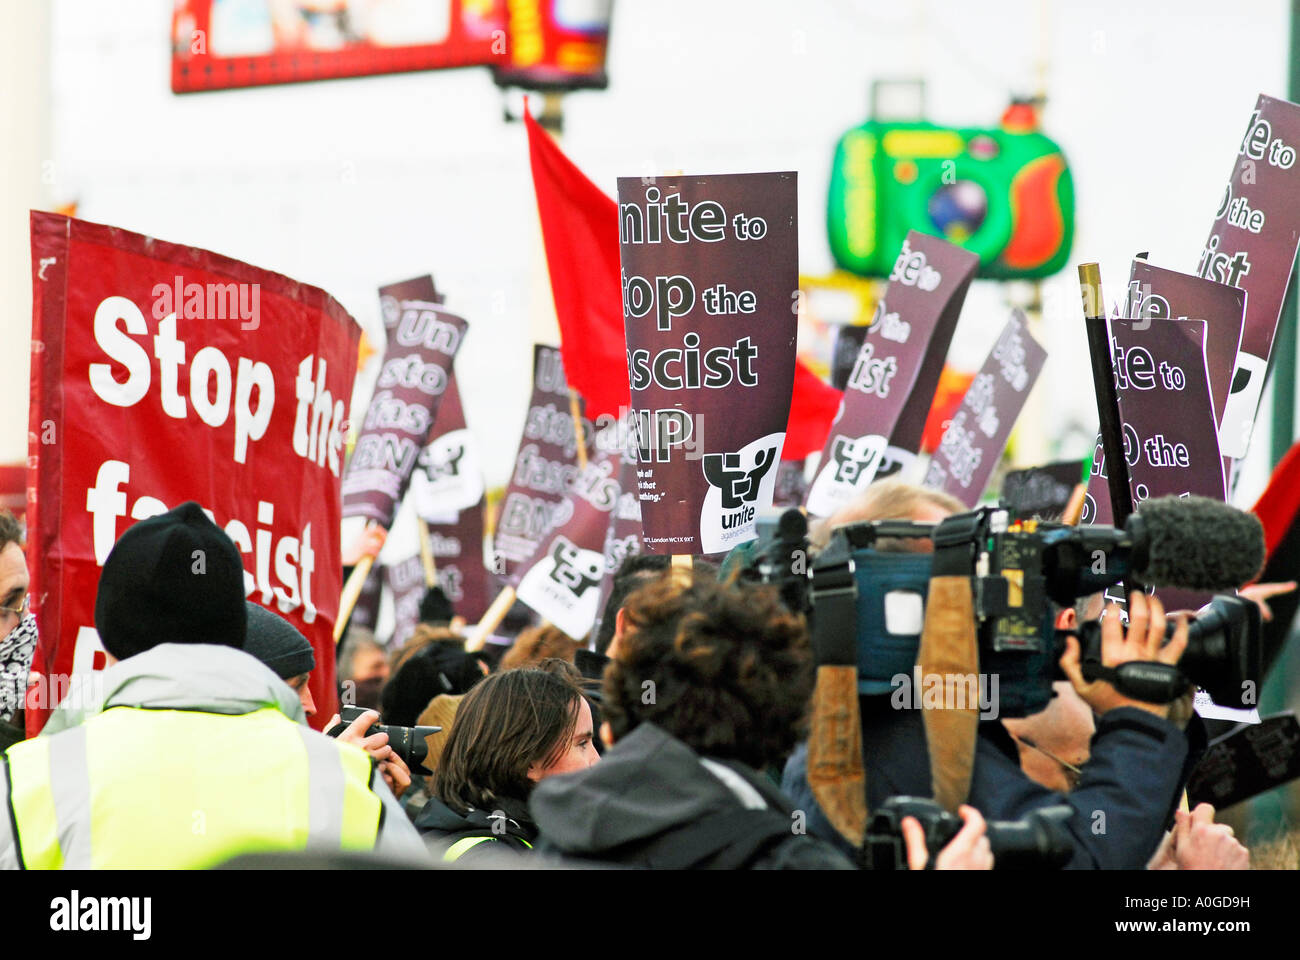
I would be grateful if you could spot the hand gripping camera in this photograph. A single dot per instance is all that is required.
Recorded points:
(1038, 841)
(409, 743)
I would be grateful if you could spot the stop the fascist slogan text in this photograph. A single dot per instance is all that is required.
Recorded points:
(218, 389)
(674, 220)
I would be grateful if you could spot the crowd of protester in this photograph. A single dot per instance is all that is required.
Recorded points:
(673, 737)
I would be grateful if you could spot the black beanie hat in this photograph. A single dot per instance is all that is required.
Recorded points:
(173, 578)
(277, 643)
(435, 608)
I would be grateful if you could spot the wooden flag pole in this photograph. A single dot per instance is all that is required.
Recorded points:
(489, 621)
(1103, 381)
(352, 593)
(1074, 508)
(426, 555)
(576, 413)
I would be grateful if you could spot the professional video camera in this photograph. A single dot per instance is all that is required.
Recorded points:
(1039, 841)
(407, 742)
(855, 589)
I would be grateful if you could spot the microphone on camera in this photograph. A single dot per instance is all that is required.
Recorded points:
(1192, 543)
(1195, 543)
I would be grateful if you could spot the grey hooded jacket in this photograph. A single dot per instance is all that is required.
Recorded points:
(651, 789)
(211, 679)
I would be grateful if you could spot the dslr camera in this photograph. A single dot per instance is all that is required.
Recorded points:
(407, 742)
(1039, 841)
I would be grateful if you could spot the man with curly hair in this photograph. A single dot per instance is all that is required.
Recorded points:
(709, 687)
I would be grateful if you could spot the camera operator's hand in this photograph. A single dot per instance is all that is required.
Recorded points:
(1202, 844)
(1198, 843)
(355, 733)
(396, 773)
(968, 850)
(1261, 592)
(1144, 640)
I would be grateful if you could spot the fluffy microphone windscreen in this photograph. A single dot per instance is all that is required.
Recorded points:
(1196, 543)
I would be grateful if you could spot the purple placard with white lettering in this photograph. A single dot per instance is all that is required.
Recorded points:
(623, 539)
(978, 431)
(1171, 443)
(892, 383)
(545, 465)
(422, 341)
(1157, 294)
(562, 580)
(1253, 246)
(710, 282)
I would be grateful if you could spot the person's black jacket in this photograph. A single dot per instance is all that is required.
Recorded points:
(653, 802)
(1122, 802)
(508, 829)
(894, 756)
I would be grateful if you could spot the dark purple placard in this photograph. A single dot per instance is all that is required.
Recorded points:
(457, 549)
(545, 465)
(1150, 408)
(422, 341)
(710, 287)
(366, 612)
(450, 494)
(1157, 294)
(889, 391)
(978, 431)
(1171, 443)
(623, 539)
(406, 586)
(1253, 246)
(458, 561)
(1246, 762)
(562, 580)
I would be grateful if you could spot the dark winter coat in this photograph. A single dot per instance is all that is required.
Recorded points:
(653, 802)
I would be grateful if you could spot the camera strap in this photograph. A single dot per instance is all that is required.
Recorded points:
(836, 773)
(948, 657)
(1145, 680)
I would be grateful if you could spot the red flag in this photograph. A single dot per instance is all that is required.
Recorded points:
(812, 408)
(580, 230)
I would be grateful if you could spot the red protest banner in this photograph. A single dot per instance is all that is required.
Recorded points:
(163, 373)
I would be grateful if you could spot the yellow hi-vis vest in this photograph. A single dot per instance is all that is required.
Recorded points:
(178, 789)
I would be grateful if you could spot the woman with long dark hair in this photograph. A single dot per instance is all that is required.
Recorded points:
(512, 730)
